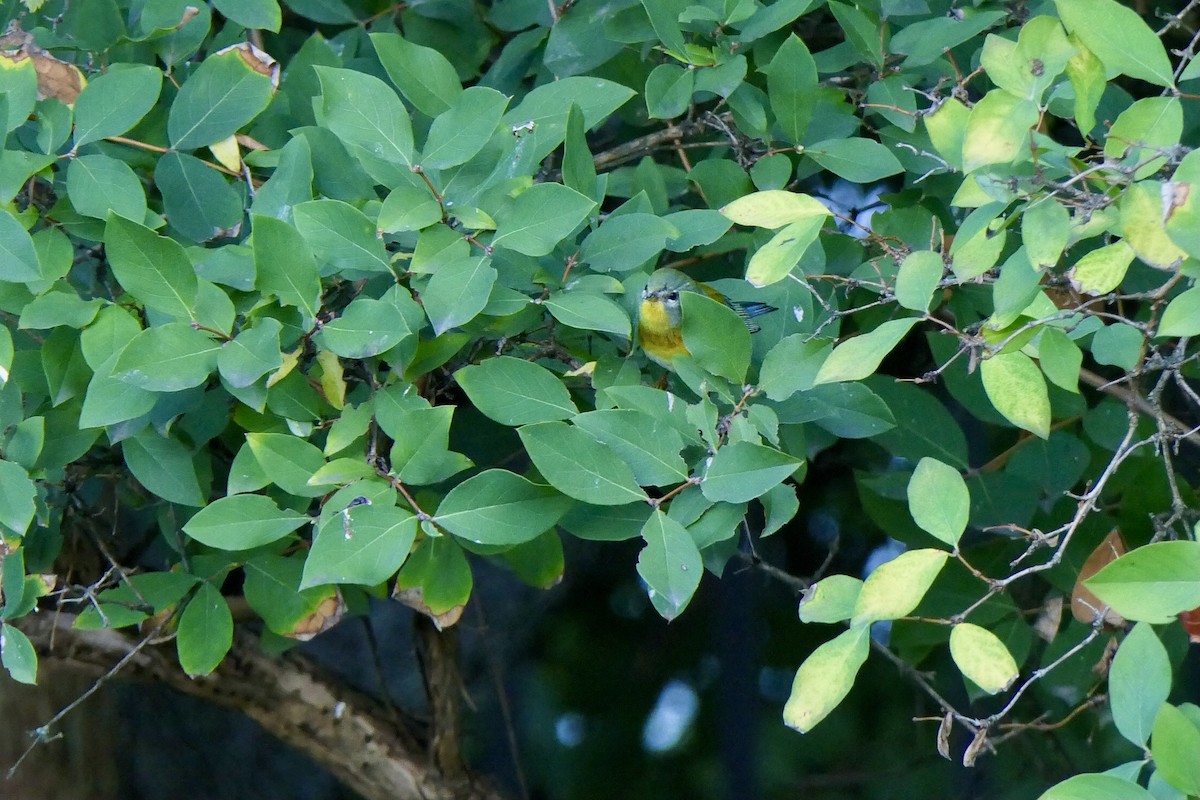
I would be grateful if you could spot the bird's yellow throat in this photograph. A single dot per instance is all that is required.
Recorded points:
(657, 337)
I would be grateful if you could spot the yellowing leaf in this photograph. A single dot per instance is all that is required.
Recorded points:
(982, 657)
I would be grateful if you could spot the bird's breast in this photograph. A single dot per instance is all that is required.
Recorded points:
(659, 338)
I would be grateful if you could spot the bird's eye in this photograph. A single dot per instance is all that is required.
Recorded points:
(672, 297)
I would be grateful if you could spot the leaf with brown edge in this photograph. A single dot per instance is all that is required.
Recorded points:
(1084, 604)
(327, 614)
(414, 598)
(1190, 620)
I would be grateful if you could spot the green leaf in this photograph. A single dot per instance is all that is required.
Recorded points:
(861, 31)
(60, 305)
(253, 353)
(1096, 787)
(1153, 583)
(792, 87)
(290, 184)
(825, 678)
(25, 441)
(225, 92)
(982, 657)
(458, 292)
(1086, 74)
(669, 91)
(848, 410)
(1138, 683)
(421, 453)
(539, 563)
(17, 493)
(272, 589)
(19, 86)
(341, 235)
(439, 569)
(1119, 345)
(167, 358)
(767, 19)
(365, 114)
(918, 278)
(160, 590)
(425, 77)
(164, 466)
(1017, 390)
(999, 130)
(830, 599)
(1181, 317)
(366, 328)
(624, 242)
(497, 507)
(1142, 130)
(606, 523)
(1119, 37)
(895, 588)
(716, 336)
(670, 564)
(539, 218)
(791, 365)
(572, 46)
(198, 202)
(579, 167)
(1045, 231)
(774, 208)
(742, 471)
(7, 353)
(108, 399)
(855, 159)
(459, 133)
(368, 550)
(152, 268)
(780, 505)
(776, 259)
(664, 18)
(1060, 359)
(409, 207)
(1142, 223)
(1103, 269)
(18, 655)
(242, 522)
(929, 39)
(1174, 747)
(858, 357)
(12, 576)
(589, 312)
(576, 464)
(252, 13)
(947, 127)
(893, 101)
(515, 392)
(542, 115)
(648, 445)
(205, 631)
(939, 501)
(18, 258)
(288, 461)
(284, 265)
(1183, 216)
(98, 184)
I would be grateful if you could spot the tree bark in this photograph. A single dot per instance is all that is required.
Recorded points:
(349, 733)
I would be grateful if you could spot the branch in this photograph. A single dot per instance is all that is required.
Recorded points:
(347, 732)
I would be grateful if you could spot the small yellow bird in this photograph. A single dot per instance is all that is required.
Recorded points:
(660, 331)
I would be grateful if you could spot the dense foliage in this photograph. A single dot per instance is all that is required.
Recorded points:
(312, 305)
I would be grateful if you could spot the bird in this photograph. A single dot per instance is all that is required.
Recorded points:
(660, 316)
